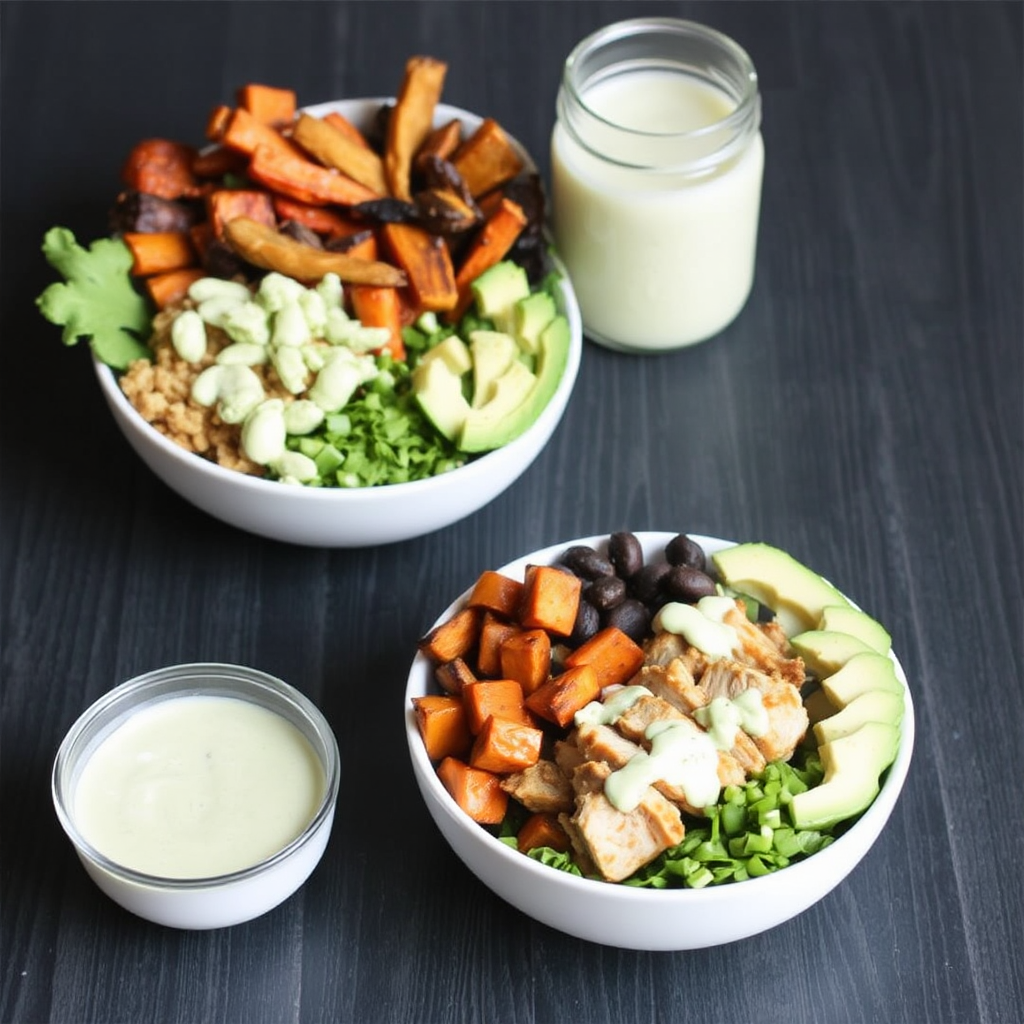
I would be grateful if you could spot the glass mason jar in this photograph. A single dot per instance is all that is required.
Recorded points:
(656, 166)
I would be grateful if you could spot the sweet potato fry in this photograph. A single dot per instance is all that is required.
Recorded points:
(442, 723)
(380, 307)
(268, 104)
(526, 658)
(502, 698)
(614, 657)
(160, 167)
(497, 592)
(442, 142)
(347, 128)
(245, 134)
(227, 204)
(539, 830)
(551, 599)
(295, 176)
(217, 122)
(453, 638)
(264, 247)
(427, 262)
(476, 791)
(487, 158)
(334, 149)
(503, 746)
(156, 252)
(170, 288)
(496, 236)
(453, 675)
(317, 218)
(411, 120)
(494, 631)
(562, 696)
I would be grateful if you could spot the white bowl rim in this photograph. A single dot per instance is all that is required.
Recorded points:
(414, 489)
(874, 817)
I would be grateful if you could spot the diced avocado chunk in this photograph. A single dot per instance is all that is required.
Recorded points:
(493, 352)
(796, 594)
(497, 290)
(871, 706)
(862, 673)
(852, 766)
(847, 619)
(453, 351)
(438, 391)
(825, 652)
(529, 318)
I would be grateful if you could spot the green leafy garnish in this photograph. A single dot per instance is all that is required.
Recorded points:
(97, 301)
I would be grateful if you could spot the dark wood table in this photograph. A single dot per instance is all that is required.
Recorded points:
(865, 413)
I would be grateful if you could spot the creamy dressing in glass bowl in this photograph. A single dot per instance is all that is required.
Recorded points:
(198, 796)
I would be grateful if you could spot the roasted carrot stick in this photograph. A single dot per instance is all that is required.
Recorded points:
(487, 158)
(496, 236)
(427, 262)
(156, 252)
(170, 288)
(347, 128)
(316, 218)
(225, 205)
(411, 120)
(301, 179)
(268, 104)
(334, 148)
(380, 307)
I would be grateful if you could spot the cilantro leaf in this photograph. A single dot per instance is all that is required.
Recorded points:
(97, 301)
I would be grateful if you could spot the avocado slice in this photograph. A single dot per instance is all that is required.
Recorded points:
(863, 672)
(492, 354)
(483, 430)
(852, 766)
(453, 351)
(497, 290)
(871, 706)
(847, 619)
(826, 651)
(438, 390)
(529, 318)
(796, 594)
(487, 426)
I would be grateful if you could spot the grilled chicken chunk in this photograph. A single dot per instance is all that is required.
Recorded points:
(543, 787)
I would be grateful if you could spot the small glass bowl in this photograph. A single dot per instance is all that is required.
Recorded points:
(222, 900)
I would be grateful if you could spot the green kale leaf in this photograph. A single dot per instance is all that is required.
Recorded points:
(97, 301)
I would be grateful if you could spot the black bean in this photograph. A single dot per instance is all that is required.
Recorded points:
(587, 563)
(625, 553)
(685, 583)
(588, 622)
(631, 616)
(683, 550)
(605, 592)
(646, 584)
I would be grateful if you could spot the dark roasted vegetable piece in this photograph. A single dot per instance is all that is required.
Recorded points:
(442, 212)
(442, 174)
(344, 243)
(139, 211)
(297, 230)
(386, 211)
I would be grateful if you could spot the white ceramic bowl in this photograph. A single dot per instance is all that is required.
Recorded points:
(343, 518)
(634, 918)
(226, 899)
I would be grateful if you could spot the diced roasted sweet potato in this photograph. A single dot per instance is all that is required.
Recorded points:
(441, 720)
(156, 252)
(502, 698)
(268, 104)
(540, 830)
(494, 631)
(453, 675)
(504, 746)
(614, 657)
(497, 592)
(427, 263)
(476, 791)
(227, 204)
(551, 598)
(453, 638)
(170, 288)
(562, 696)
(526, 657)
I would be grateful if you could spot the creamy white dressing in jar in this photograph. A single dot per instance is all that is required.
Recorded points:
(198, 786)
(656, 162)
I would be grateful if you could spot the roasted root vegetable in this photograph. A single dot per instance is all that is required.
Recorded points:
(494, 631)
(171, 287)
(453, 675)
(541, 829)
(347, 128)
(317, 218)
(563, 695)
(476, 791)
(496, 592)
(268, 104)
(160, 167)
(333, 148)
(526, 657)
(411, 120)
(442, 142)
(265, 247)
(228, 204)
(380, 307)
(160, 251)
(487, 158)
(294, 175)
(504, 746)
(613, 656)
(502, 698)
(551, 599)
(443, 726)
(453, 638)
(426, 261)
